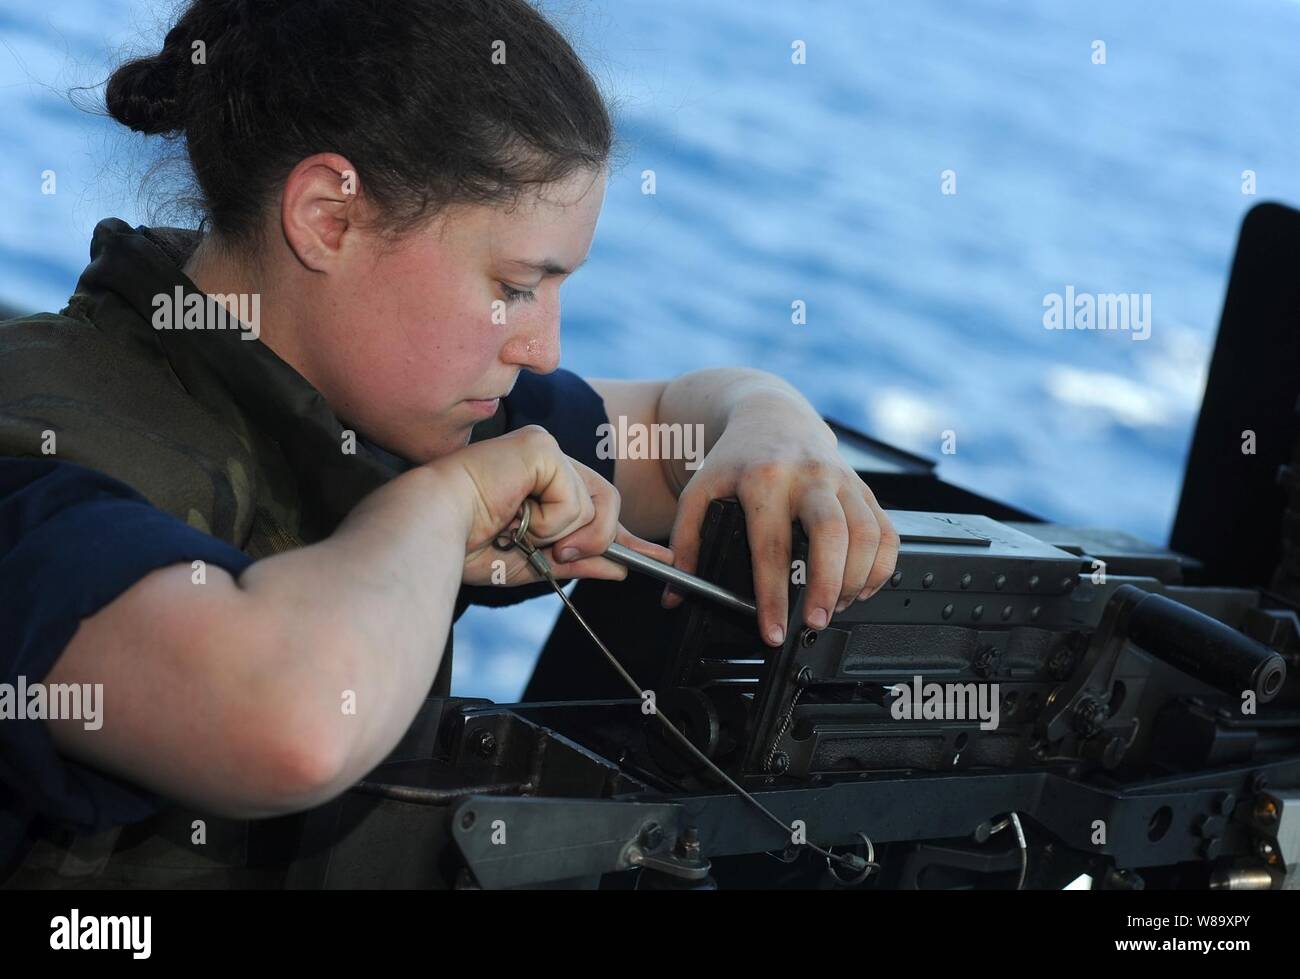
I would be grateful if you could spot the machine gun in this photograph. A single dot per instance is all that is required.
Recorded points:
(1061, 683)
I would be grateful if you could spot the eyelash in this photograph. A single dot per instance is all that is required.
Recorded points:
(518, 295)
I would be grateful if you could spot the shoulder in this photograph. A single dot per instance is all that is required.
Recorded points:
(70, 391)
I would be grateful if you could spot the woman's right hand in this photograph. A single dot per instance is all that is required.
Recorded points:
(574, 510)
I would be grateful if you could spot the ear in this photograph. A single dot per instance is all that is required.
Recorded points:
(318, 209)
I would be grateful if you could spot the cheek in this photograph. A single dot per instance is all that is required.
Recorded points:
(432, 342)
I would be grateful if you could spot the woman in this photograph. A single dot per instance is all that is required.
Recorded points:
(254, 539)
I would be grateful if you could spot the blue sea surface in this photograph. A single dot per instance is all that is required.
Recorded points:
(822, 182)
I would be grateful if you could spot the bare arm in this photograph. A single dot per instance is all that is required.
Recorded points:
(276, 692)
(231, 695)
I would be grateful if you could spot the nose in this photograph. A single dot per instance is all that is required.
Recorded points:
(536, 344)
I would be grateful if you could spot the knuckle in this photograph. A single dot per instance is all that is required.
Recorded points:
(537, 436)
(766, 471)
(829, 530)
(813, 468)
(776, 552)
(889, 540)
(867, 530)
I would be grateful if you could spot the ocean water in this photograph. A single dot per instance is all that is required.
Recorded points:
(823, 182)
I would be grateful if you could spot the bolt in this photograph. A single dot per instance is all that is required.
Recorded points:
(1259, 783)
(977, 612)
(1033, 582)
(780, 762)
(947, 611)
(999, 581)
(927, 579)
(895, 579)
(1266, 811)
(688, 844)
(485, 743)
(652, 835)
(1059, 663)
(808, 637)
(1089, 715)
(965, 580)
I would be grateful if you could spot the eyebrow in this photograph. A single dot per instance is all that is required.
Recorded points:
(547, 265)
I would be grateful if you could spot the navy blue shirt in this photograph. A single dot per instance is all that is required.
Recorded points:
(72, 540)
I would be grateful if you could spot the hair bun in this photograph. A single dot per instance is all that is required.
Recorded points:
(142, 95)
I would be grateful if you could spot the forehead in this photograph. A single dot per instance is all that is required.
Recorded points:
(554, 223)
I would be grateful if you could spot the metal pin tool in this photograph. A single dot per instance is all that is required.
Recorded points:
(677, 578)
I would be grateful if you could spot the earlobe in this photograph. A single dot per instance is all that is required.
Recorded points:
(318, 208)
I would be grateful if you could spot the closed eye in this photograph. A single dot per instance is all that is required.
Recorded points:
(517, 295)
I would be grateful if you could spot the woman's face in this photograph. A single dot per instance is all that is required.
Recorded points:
(414, 343)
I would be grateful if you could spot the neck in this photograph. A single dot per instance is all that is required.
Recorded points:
(219, 271)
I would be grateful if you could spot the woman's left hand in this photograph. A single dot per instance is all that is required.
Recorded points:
(780, 460)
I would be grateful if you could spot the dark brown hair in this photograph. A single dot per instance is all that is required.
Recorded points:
(408, 91)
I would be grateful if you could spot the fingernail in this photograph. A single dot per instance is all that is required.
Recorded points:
(776, 635)
(819, 618)
(567, 554)
(841, 607)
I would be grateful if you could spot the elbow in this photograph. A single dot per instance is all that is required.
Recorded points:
(276, 768)
(299, 770)
(293, 747)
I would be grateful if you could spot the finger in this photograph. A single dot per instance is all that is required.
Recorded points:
(864, 542)
(648, 548)
(685, 536)
(563, 506)
(887, 553)
(594, 537)
(609, 569)
(767, 525)
(823, 521)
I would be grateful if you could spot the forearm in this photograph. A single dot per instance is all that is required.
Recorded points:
(713, 398)
(381, 592)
